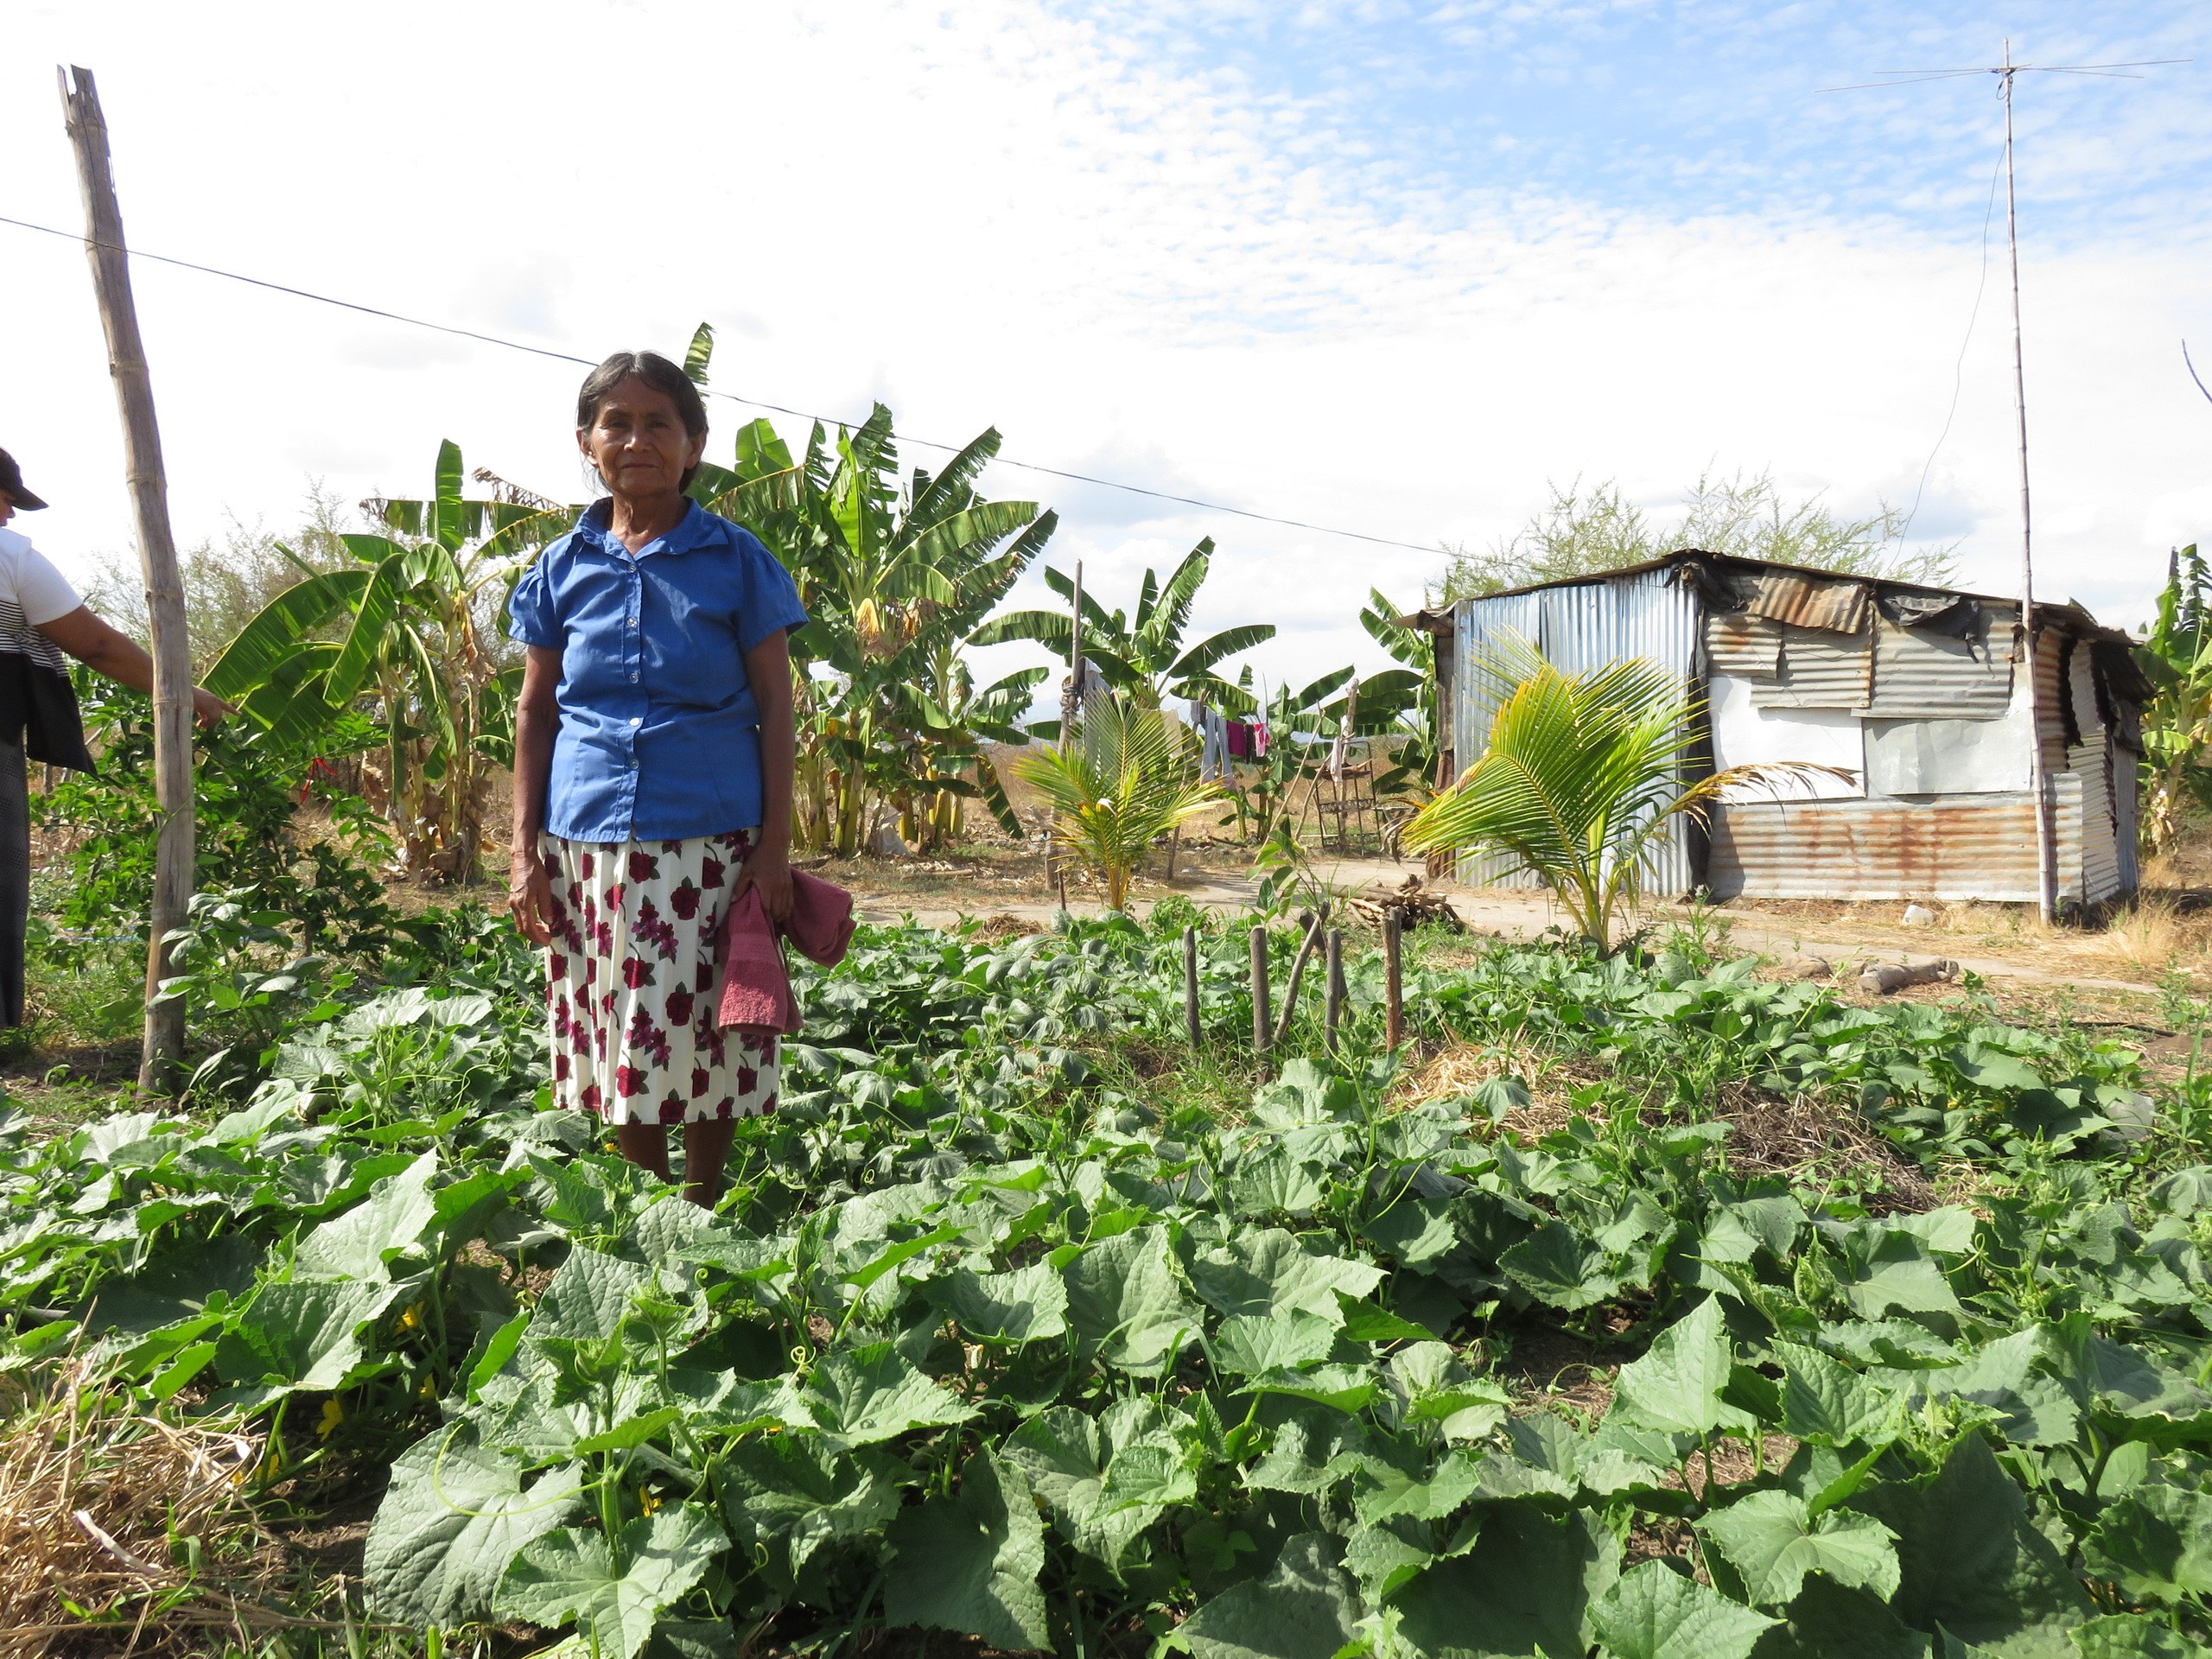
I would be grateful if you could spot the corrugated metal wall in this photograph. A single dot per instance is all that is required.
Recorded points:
(1653, 614)
(1964, 846)
(1958, 846)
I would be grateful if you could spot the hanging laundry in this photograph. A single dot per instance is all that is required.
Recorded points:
(1212, 727)
(1259, 740)
(1240, 740)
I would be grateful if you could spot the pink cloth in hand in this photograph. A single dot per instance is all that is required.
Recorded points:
(756, 986)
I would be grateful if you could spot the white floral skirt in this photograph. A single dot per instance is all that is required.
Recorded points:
(631, 981)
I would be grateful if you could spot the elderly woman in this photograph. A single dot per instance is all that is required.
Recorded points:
(654, 749)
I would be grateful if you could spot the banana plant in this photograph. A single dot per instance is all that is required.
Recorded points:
(2177, 657)
(411, 632)
(1400, 704)
(1142, 655)
(894, 577)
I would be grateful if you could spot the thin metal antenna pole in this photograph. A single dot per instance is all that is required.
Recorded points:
(2046, 872)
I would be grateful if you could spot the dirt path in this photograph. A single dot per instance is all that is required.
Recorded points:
(1514, 913)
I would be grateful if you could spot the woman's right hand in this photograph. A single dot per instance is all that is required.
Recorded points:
(530, 895)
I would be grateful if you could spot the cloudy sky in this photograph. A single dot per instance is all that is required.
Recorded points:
(1380, 266)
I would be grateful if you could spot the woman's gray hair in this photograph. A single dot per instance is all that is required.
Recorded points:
(658, 372)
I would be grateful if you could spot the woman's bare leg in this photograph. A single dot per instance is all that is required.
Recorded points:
(645, 1145)
(706, 1150)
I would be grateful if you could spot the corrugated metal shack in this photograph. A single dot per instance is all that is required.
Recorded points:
(1913, 690)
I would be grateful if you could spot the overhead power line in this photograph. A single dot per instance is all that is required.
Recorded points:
(731, 397)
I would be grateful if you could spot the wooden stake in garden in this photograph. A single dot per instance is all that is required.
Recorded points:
(1315, 924)
(1394, 1007)
(1333, 1009)
(1260, 1030)
(1191, 984)
(1071, 709)
(162, 1047)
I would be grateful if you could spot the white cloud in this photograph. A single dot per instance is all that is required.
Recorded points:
(1123, 259)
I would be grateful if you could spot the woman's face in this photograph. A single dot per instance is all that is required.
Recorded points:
(637, 442)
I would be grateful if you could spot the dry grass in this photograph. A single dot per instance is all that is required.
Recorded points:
(1817, 1141)
(1458, 1069)
(97, 1504)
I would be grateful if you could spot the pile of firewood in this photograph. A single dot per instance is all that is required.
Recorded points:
(1415, 904)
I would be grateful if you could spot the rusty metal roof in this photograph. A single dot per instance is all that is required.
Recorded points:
(2048, 613)
(1806, 602)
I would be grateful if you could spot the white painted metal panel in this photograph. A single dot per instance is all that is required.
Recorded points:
(1921, 758)
(1745, 734)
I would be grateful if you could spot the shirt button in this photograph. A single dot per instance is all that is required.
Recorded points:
(633, 675)
(635, 722)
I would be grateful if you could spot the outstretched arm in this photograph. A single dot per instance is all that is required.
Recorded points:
(107, 650)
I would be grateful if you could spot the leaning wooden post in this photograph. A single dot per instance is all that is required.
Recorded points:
(1333, 1009)
(1394, 1008)
(1259, 1031)
(1315, 924)
(1190, 985)
(162, 1048)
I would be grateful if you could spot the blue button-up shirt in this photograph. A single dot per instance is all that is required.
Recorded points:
(659, 737)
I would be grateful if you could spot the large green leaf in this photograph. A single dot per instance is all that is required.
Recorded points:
(1269, 1273)
(2156, 1543)
(301, 1334)
(859, 1395)
(1654, 1612)
(1025, 1305)
(453, 1518)
(787, 1495)
(970, 1562)
(1826, 1402)
(1772, 1542)
(361, 1244)
(614, 1598)
(1525, 1588)
(278, 629)
(2131, 1636)
(589, 1296)
(1676, 1385)
(1970, 1560)
(1126, 1300)
(1304, 1609)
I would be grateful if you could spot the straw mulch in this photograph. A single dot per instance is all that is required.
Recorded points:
(97, 1504)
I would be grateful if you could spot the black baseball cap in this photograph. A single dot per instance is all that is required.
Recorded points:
(11, 480)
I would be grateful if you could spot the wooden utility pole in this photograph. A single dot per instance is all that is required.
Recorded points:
(164, 1046)
(2038, 788)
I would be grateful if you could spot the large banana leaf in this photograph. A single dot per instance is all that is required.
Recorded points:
(954, 485)
(760, 451)
(1208, 653)
(1172, 612)
(289, 703)
(277, 631)
(966, 534)
(370, 636)
(1409, 645)
(699, 353)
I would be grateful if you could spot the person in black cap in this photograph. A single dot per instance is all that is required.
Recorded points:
(41, 616)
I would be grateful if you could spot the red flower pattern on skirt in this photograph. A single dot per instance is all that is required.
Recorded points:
(629, 1042)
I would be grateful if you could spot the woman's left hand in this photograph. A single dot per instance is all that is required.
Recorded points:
(768, 869)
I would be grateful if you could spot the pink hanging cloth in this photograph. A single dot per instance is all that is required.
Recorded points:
(756, 995)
